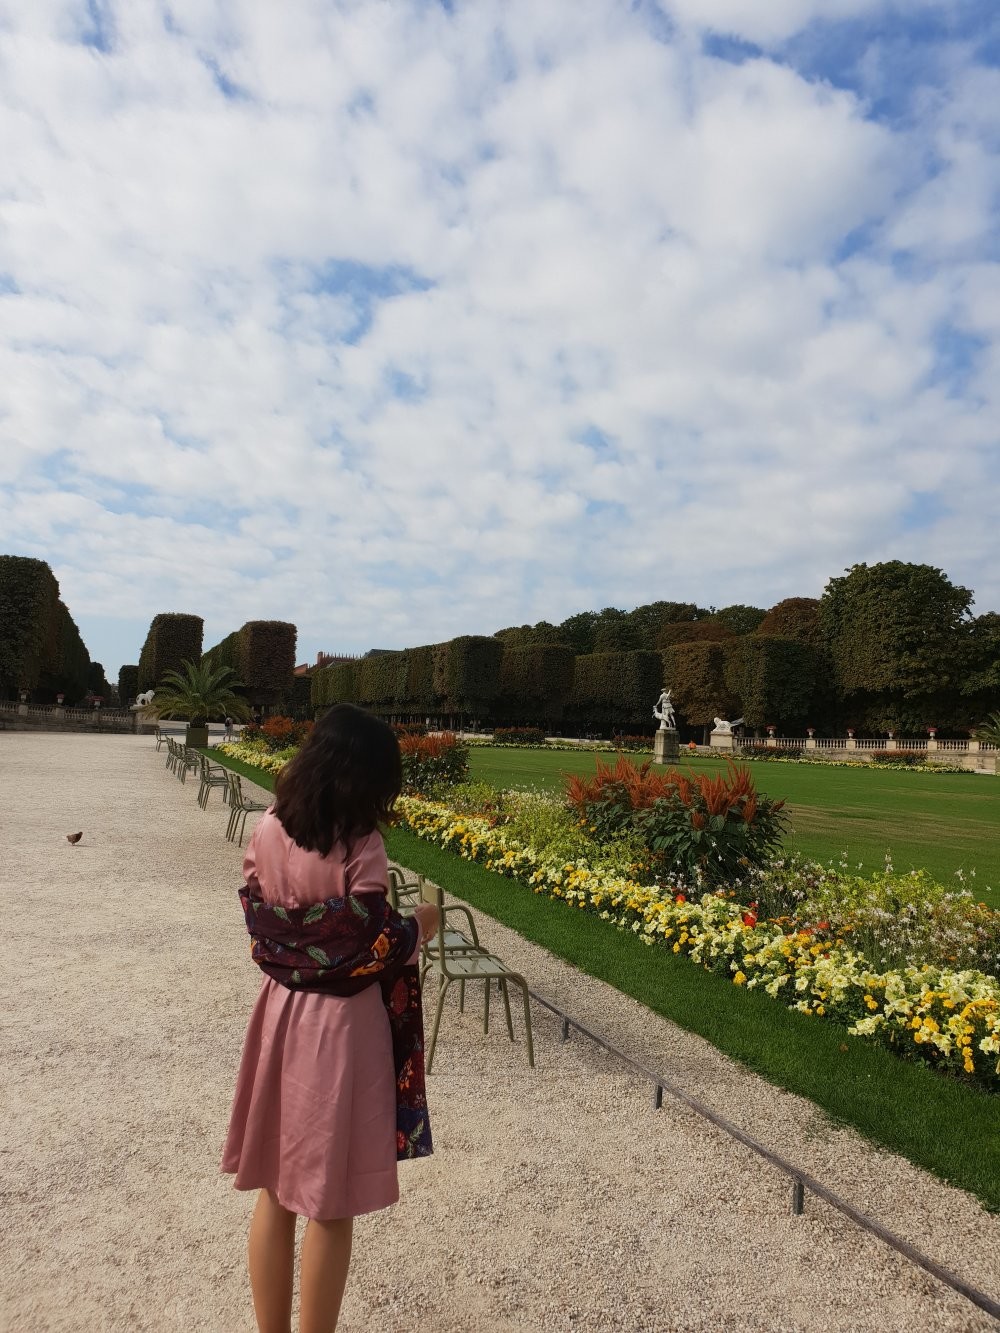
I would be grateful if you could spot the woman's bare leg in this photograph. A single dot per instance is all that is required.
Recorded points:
(272, 1263)
(326, 1257)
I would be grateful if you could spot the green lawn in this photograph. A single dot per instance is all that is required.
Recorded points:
(939, 1123)
(941, 823)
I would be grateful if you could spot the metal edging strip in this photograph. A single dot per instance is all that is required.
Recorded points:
(801, 1180)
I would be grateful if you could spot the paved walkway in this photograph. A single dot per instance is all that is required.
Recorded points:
(557, 1199)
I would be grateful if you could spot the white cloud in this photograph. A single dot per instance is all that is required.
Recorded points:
(440, 323)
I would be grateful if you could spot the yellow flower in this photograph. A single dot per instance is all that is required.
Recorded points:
(740, 978)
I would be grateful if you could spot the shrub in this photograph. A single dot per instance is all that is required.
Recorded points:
(29, 597)
(518, 736)
(616, 689)
(761, 751)
(333, 684)
(707, 830)
(276, 733)
(908, 757)
(410, 728)
(535, 682)
(128, 684)
(431, 763)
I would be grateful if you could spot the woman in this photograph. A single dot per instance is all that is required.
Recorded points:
(313, 1123)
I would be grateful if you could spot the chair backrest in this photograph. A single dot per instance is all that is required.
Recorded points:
(433, 893)
(235, 790)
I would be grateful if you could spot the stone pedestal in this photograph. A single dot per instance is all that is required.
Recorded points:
(665, 748)
(720, 740)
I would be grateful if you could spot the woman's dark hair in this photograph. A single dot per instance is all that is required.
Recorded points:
(342, 783)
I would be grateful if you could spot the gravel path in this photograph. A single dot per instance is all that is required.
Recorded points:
(558, 1199)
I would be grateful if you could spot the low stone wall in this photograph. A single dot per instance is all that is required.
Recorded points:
(24, 717)
(976, 756)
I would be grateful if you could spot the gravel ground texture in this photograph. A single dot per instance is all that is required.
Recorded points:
(557, 1198)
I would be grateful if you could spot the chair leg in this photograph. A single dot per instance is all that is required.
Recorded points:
(527, 1020)
(486, 1009)
(461, 996)
(445, 983)
(243, 825)
(506, 1005)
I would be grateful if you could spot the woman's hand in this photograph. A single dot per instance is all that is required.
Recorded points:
(428, 918)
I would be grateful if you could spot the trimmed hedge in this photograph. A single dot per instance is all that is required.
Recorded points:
(535, 683)
(333, 684)
(128, 684)
(29, 622)
(696, 674)
(616, 689)
(772, 678)
(68, 670)
(262, 654)
(173, 638)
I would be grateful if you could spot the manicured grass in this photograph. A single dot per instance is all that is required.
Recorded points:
(938, 1123)
(938, 822)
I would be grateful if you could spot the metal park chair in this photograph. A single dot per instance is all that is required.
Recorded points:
(239, 807)
(212, 775)
(160, 738)
(403, 892)
(172, 754)
(188, 761)
(471, 965)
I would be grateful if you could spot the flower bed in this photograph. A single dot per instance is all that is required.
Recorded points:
(940, 1012)
(946, 1017)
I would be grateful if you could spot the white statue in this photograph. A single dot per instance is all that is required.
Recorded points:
(144, 700)
(664, 710)
(724, 728)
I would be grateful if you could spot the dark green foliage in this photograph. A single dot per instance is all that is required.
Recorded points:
(739, 618)
(471, 673)
(897, 634)
(300, 700)
(261, 653)
(772, 679)
(29, 598)
(418, 689)
(696, 673)
(614, 631)
(578, 632)
(648, 621)
(522, 736)
(128, 685)
(708, 630)
(173, 638)
(379, 680)
(97, 682)
(615, 689)
(981, 683)
(794, 618)
(535, 683)
(68, 662)
(333, 684)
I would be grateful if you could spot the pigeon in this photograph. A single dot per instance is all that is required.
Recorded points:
(73, 837)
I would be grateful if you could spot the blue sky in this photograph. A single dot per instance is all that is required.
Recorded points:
(413, 320)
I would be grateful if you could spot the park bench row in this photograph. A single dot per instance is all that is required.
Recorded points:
(455, 954)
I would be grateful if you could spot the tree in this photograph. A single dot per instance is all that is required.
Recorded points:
(794, 618)
(578, 632)
(897, 635)
(982, 677)
(199, 692)
(708, 630)
(614, 632)
(740, 619)
(647, 621)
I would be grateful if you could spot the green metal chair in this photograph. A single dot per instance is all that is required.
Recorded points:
(212, 775)
(239, 807)
(172, 748)
(471, 965)
(160, 738)
(403, 892)
(188, 761)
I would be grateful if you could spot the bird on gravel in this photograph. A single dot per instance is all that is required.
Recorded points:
(73, 837)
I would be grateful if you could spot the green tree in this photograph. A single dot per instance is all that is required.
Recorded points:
(647, 621)
(898, 636)
(578, 632)
(772, 678)
(708, 630)
(794, 618)
(614, 631)
(199, 692)
(740, 619)
(696, 674)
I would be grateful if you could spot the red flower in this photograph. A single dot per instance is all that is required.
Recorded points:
(681, 898)
(749, 918)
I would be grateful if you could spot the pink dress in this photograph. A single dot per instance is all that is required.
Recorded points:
(314, 1115)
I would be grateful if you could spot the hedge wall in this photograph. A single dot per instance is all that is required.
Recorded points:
(472, 673)
(616, 689)
(535, 683)
(773, 679)
(262, 653)
(173, 638)
(29, 622)
(128, 685)
(333, 684)
(696, 675)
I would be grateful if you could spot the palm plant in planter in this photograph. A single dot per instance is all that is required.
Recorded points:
(990, 730)
(199, 693)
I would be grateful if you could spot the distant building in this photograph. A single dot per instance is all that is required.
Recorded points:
(322, 660)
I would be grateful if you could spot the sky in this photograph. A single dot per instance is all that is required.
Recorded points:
(420, 318)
